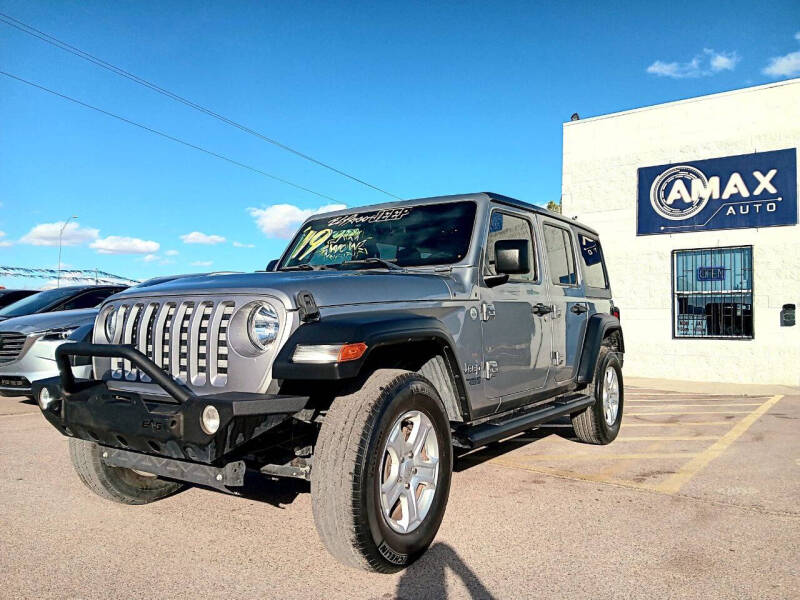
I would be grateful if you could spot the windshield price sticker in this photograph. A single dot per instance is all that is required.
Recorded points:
(331, 243)
(391, 214)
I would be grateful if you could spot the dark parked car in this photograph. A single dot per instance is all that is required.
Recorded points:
(10, 296)
(64, 298)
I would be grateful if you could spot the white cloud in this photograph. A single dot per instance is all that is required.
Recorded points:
(197, 237)
(707, 63)
(724, 61)
(171, 253)
(202, 263)
(46, 234)
(115, 244)
(281, 220)
(155, 258)
(4, 243)
(783, 66)
(241, 245)
(796, 36)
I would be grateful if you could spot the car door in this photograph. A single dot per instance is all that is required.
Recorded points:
(516, 343)
(570, 309)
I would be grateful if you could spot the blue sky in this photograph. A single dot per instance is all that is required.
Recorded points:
(417, 98)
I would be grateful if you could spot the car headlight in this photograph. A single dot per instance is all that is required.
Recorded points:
(54, 335)
(263, 325)
(110, 324)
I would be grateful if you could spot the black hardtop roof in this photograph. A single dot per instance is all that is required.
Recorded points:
(537, 209)
(476, 196)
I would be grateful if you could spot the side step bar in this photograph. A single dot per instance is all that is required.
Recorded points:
(492, 431)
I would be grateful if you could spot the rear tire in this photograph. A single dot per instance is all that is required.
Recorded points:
(116, 483)
(393, 413)
(599, 423)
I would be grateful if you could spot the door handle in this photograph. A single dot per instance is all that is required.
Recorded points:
(541, 309)
(579, 309)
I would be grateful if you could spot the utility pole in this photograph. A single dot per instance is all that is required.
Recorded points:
(60, 234)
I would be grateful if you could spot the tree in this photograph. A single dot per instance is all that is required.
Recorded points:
(554, 206)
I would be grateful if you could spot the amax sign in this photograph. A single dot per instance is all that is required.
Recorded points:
(734, 192)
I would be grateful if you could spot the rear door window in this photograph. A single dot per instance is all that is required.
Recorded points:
(560, 255)
(594, 269)
(88, 299)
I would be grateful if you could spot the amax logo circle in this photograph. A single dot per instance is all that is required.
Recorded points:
(668, 193)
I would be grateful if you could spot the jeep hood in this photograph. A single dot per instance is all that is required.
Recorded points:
(330, 288)
(61, 319)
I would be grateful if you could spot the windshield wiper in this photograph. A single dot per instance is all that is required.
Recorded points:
(306, 267)
(300, 267)
(370, 262)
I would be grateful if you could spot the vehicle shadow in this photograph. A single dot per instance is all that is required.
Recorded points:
(426, 578)
(270, 490)
(471, 458)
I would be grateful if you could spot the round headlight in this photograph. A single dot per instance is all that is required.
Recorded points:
(110, 324)
(209, 420)
(45, 398)
(262, 326)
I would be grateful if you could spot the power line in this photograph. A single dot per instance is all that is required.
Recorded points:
(25, 28)
(169, 137)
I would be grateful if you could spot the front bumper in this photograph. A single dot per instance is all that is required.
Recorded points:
(36, 361)
(171, 429)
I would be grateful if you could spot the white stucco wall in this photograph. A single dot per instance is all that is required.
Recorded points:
(601, 158)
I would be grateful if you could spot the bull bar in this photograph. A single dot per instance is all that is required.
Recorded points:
(156, 433)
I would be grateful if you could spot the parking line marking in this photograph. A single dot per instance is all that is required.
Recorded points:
(684, 424)
(694, 405)
(599, 456)
(674, 483)
(691, 412)
(667, 438)
(567, 474)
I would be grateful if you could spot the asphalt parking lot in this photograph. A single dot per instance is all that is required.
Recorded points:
(698, 497)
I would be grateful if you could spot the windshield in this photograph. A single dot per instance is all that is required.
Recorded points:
(408, 236)
(35, 303)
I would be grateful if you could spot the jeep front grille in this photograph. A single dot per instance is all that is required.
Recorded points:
(187, 339)
(10, 346)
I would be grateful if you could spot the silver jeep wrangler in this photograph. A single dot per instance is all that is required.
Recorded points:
(382, 340)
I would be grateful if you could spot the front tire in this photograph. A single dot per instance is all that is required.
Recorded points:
(381, 474)
(599, 423)
(117, 484)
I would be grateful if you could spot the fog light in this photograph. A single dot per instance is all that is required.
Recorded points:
(45, 398)
(209, 421)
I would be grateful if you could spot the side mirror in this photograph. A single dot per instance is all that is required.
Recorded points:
(511, 257)
(272, 264)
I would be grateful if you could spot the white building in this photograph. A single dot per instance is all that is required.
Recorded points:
(696, 204)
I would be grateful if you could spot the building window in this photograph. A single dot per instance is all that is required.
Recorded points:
(712, 292)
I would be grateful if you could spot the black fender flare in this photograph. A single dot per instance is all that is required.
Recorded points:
(375, 330)
(598, 327)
